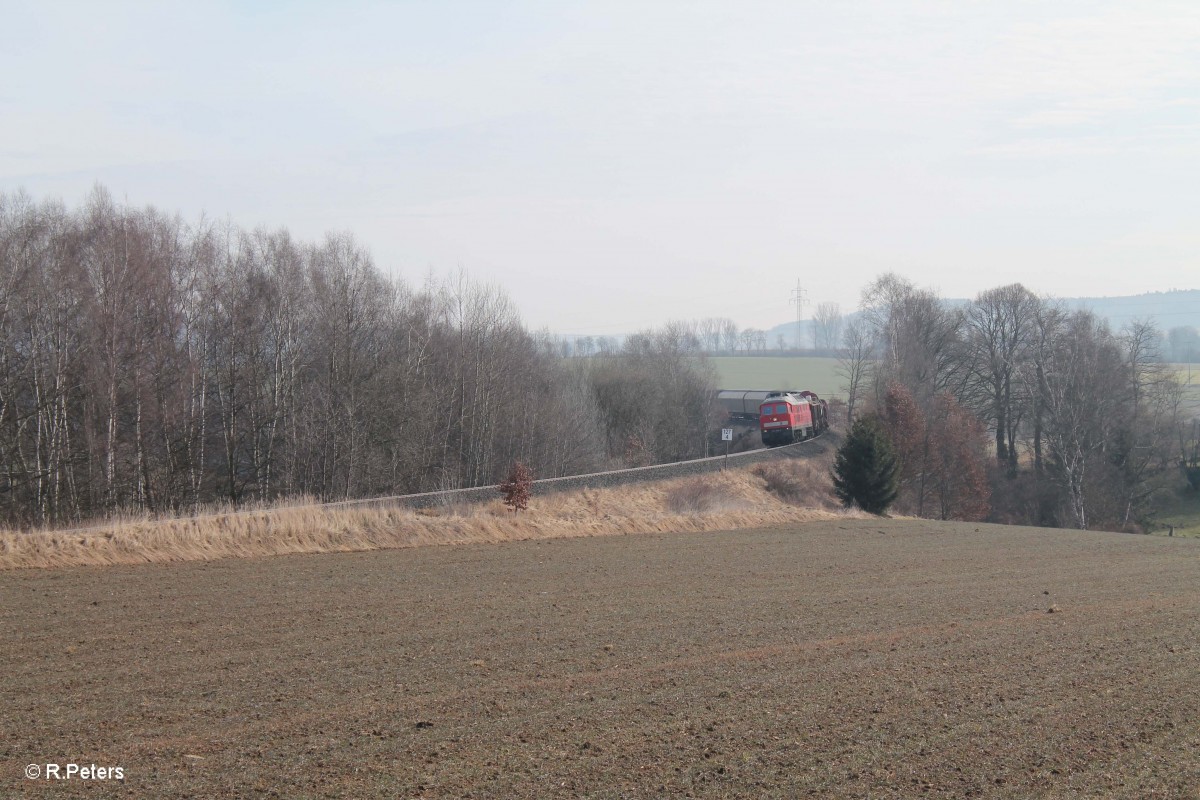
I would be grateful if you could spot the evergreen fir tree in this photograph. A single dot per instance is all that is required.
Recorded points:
(865, 470)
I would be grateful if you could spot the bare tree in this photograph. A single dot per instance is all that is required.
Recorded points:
(958, 485)
(711, 331)
(730, 335)
(749, 339)
(1145, 450)
(1083, 398)
(1000, 331)
(828, 326)
(919, 341)
(1049, 321)
(855, 364)
(658, 397)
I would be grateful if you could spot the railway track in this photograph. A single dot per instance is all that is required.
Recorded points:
(616, 477)
(592, 480)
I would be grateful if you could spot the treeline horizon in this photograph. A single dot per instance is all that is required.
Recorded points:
(721, 336)
(149, 364)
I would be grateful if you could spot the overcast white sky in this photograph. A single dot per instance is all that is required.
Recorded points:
(613, 165)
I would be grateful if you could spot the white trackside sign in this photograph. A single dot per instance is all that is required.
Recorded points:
(726, 434)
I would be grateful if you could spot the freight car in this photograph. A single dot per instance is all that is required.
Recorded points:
(786, 417)
(743, 403)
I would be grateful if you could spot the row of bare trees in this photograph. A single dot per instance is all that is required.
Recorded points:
(1085, 423)
(718, 335)
(657, 399)
(150, 364)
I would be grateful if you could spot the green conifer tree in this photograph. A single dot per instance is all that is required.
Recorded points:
(865, 470)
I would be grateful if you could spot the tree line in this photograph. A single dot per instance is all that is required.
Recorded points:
(151, 364)
(1014, 409)
(720, 336)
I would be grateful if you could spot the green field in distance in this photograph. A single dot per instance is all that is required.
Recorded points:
(1189, 376)
(783, 372)
(820, 375)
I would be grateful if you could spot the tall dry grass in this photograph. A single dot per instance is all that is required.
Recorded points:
(734, 499)
(798, 483)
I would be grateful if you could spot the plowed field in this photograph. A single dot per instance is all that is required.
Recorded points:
(839, 659)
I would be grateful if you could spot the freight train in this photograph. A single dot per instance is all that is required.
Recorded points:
(784, 416)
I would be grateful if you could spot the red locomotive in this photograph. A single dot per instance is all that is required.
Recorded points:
(786, 417)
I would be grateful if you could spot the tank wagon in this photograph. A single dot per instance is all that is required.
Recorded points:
(786, 417)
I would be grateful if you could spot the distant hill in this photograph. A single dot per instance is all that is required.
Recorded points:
(1167, 310)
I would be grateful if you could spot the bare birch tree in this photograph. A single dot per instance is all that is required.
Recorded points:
(827, 321)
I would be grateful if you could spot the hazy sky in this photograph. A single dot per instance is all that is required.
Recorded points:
(613, 165)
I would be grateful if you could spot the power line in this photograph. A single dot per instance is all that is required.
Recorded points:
(799, 297)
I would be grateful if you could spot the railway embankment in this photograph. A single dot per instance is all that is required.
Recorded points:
(813, 448)
(753, 489)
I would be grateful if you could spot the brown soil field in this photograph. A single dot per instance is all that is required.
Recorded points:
(841, 658)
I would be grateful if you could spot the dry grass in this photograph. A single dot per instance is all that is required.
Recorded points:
(798, 483)
(735, 499)
(806, 483)
(701, 495)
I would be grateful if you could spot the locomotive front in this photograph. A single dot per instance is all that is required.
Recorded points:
(787, 417)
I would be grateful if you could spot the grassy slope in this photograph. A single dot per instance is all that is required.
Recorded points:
(738, 498)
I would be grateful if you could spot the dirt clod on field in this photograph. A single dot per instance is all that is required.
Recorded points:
(815, 660)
